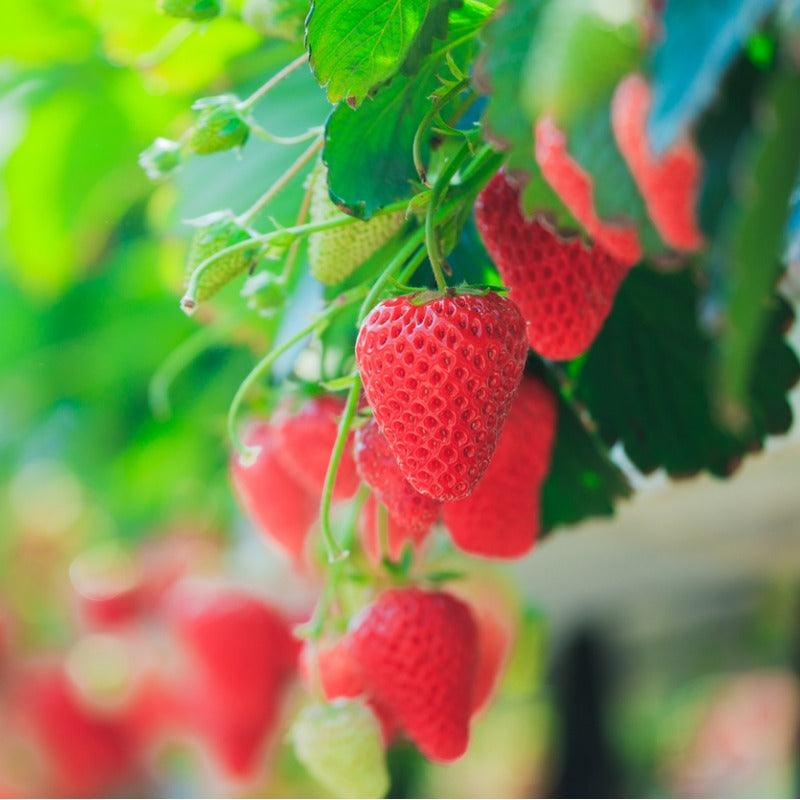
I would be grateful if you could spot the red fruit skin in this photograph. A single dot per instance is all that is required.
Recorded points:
(242, 654)
(305, 441)
(87, 754)
(564, 289)
(500, 519)
(575, 188)
(398, 534)
(418, 653)
(411, 514)
(669, 183)
(274, 500)
(440, 376)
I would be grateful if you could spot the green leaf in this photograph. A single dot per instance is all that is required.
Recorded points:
(755, 236)
(368, 149)
(358, 45)
(583, 481)
(701, 38)
(647, 380)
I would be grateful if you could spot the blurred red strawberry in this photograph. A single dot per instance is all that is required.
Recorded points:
(241, 655)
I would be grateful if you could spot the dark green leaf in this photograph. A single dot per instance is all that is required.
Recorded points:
(358, 45)
(582, 482)
(647, 380)
(701, 38)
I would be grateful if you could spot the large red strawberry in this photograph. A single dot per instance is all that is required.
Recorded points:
(669, 182)
(501, 517)
(440, 375)
(564, 289)
(87, 753)
(575, 188)
(275, 501)
(411, 513)
(418, 653)
(304, 443)
(242, 654)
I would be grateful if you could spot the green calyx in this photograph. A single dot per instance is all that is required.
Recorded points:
(161, 158)
(219, 126)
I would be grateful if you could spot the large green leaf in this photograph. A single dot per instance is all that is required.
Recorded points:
(357, 45)
(751, 250)
(701, 38)
(647, 381)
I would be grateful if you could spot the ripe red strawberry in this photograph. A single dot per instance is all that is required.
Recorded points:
(304, 443)
(440, 375)
(669, 182)
(272, 497)
(242, 653)
(87, 753)
(411, 514)
(564, 289)
(575, 188)
(501, 517)
(418, 652)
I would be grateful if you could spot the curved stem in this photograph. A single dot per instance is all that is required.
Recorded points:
(402, 255)
(173, 39)
(247, 454)
(282, 181)
(436, 106)
(183, 355)
(267, 136)
(437, 193)
(335, 553)
(294, 248)
(273, 82)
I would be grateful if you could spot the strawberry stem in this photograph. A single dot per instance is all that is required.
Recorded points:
(335, 553)
(438, 193)
(247, 104)
(436, 106)
(281, 182)
(317, 325)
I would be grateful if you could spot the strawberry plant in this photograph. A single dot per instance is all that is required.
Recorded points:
(455, 275)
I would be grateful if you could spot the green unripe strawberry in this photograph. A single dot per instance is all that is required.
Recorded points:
(337, 253)
(340, 744)
(219, 125)
(161, 158)
(196, 10)
(215, 232)
(278, 19)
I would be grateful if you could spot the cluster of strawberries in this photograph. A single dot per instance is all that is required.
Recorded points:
(163, 657)
(453, 430)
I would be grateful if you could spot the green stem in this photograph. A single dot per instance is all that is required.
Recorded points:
(183, 355)
(400, 258)
(436, 106)
(335, 553)
(383, 531)
(248, 454)
(247, 104)
(282, 181)
(274, 138)
(437, 194)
